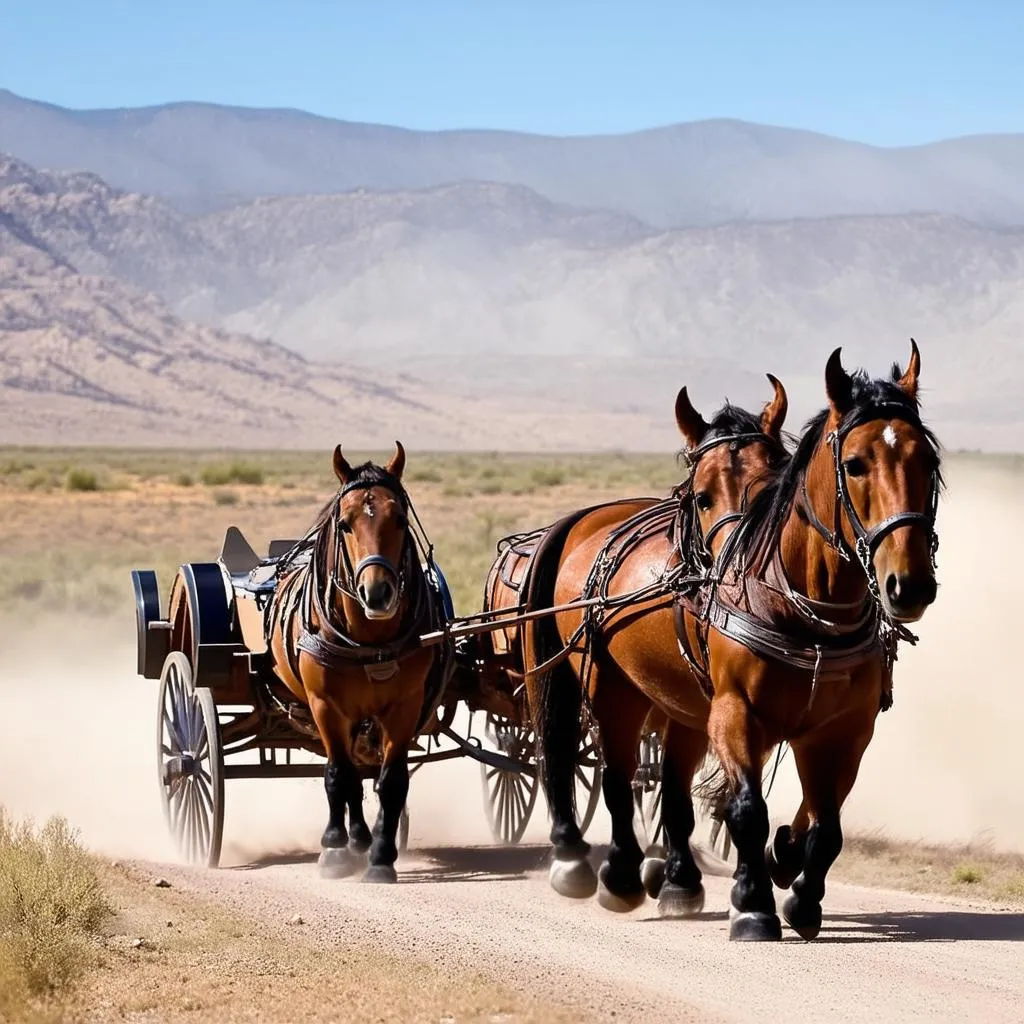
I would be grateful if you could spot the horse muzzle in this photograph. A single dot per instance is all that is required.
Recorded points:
(907, 597)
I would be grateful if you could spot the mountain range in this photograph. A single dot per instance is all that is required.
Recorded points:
(489, 289)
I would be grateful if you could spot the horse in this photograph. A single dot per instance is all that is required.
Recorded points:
(754, 653)
(831, 564)
(343, 634)
(628, 658)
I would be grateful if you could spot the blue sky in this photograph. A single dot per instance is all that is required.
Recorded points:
(902, 72)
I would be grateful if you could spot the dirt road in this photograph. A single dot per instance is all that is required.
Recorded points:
(882, 956)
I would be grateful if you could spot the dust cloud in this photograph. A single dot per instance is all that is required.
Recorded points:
(78, 727)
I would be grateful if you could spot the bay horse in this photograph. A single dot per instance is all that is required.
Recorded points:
(343, 630)
(830, 564)
(628, 659)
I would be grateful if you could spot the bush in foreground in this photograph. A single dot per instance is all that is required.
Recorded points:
(51, 906)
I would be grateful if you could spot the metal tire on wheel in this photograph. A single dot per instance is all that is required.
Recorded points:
(509, 796)
(190, 763)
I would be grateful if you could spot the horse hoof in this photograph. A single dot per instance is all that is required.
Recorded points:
(338, 862)
(383, 874)
(675, 901)
(652, 874)
(750, 926)
(803, 919)
(573, 878)
(779, 855)
(618, 903)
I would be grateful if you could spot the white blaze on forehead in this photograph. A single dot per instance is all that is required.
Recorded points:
(889, 435)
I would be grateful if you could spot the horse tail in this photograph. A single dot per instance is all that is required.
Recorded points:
(713, 790)
(555, 692)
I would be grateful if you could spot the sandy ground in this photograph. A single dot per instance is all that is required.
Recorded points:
(882, 955)
(77, 737)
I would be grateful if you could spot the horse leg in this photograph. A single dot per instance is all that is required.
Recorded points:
(739, 743)
(359, 837)
(785, 854)
(336, 860)
(682, 892)
(620, 710)
(827, 762)
(392, 790)
(555, 698)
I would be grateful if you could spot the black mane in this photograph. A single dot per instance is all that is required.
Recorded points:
(761, 527)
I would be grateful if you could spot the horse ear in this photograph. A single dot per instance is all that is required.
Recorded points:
(342, 470)
(397, 463)
(690, 422)
(774, 414)
(908, 382)
(838, 384)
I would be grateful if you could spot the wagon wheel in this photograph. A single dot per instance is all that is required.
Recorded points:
(589, 773)
(647, 792)
(509, 796)
(190, 762)
(647, 789)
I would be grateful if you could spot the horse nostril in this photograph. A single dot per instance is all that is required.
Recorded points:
(892, 587)
(377, 596)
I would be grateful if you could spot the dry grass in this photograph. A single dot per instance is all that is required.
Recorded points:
(974, 870)
(52, 907)
(70, 549)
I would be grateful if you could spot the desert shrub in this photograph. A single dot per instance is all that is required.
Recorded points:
(967, 874)
(81, 480)
(51, 906)
(232, 473)
(225, 498)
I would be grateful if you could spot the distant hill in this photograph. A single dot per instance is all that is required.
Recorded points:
(488, 316)
(202, 157)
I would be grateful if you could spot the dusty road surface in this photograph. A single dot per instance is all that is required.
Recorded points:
(882, 956)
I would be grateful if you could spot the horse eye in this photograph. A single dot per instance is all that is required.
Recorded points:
(702, 500)
(855, 467)
(345, 526)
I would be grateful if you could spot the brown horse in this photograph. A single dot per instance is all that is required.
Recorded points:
(343, 634)
(629, 657)
(794, 638)
(830, 563)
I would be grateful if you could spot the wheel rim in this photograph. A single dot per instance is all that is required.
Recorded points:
(509, 796)
(191, 780)
(647, 789)
(589, 772)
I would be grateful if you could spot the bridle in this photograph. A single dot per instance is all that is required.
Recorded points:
(868, 540)
(700, 542)
(348, 584)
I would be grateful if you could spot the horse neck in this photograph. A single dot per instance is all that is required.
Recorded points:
(812, 566)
